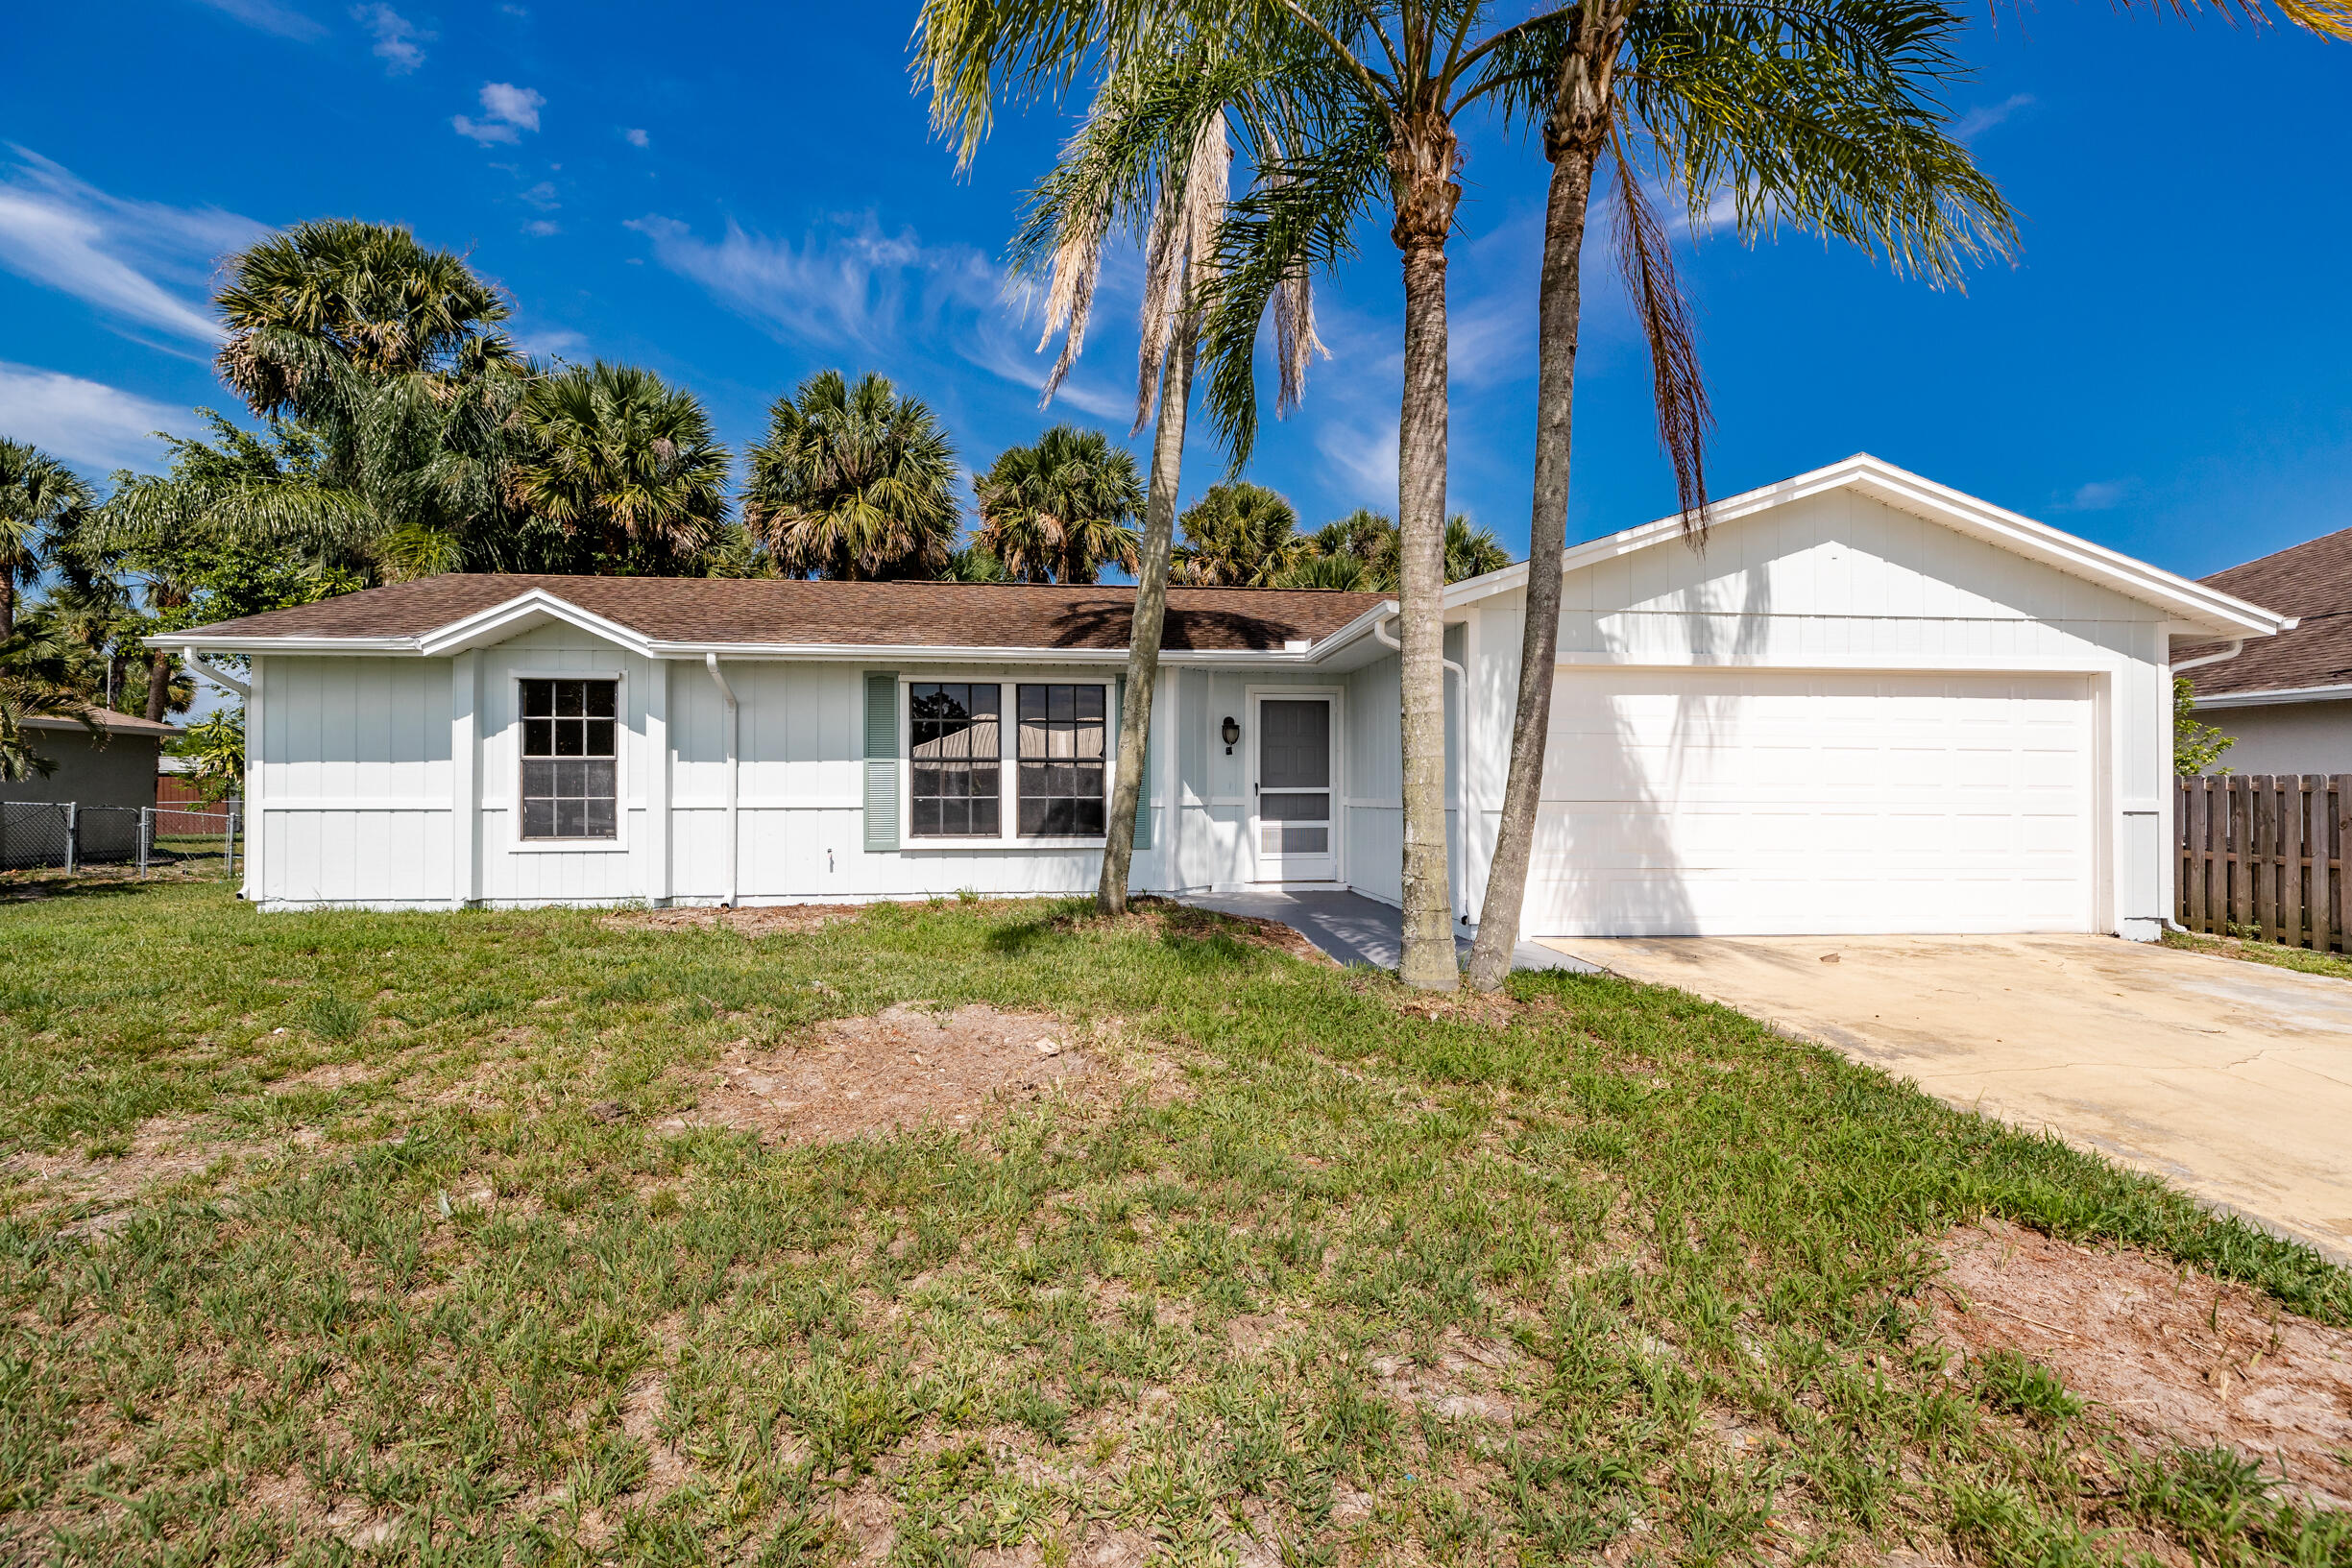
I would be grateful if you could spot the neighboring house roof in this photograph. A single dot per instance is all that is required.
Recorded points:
(111, 722)
(2311, 580)
(2200, 607)
(673, 615)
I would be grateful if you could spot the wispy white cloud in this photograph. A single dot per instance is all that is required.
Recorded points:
(542, 227)
(120, 255)
(637, 137)
(399, 43)
(1363, 459)
(853, 286)
(270, 17)
(2098, 495)
(1982, 118)
(550, 342)
(91, 424)
(508, 112)
(543, 197)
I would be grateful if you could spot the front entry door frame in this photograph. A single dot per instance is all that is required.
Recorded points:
(1267, 870)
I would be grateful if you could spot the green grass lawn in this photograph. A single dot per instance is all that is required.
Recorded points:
(2278, 954)
(1605, 1273)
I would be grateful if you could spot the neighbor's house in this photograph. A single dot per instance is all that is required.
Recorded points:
(1872, 703)
(2287, 700)
(117, 767)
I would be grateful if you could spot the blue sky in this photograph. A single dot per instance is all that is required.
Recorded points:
(738, 195)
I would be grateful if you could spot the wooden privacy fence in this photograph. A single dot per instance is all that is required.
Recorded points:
(2262, 855)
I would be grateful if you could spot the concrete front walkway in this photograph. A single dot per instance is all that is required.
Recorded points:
(1356, 930)
(2232, 1078)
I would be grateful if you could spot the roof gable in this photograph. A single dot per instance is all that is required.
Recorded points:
(2197, 606)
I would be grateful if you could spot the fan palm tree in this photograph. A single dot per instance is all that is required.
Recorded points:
(852, 482)
(40, 497)
(1063, 509)
(312, 308)
(623, 463)
(1240, 535)
(1154, 157)
(1366, 537)
(1471, 551)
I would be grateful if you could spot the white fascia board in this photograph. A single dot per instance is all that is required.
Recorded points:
(2207, 609)
(2276, 695)
(501, 621)
(202, 644)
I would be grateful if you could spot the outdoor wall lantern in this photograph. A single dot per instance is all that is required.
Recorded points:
(1233, 733)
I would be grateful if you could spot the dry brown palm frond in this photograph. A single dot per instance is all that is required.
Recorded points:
(1296, 344)
(1646, 258)
(1180, 254)
(1069, 301)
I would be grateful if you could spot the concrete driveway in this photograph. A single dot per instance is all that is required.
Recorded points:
(2232, 1078)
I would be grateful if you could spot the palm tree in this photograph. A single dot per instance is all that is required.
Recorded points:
(852, 482)
(40, 497)
(1471, 551)
(1366, 537)
(623, 463)
(1240, 535)
(388, 357)
(308, 308)
(1820, 117)
(972, 564)
(1154, 156)
(1060, 511)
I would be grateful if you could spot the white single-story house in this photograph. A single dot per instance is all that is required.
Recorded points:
(2286, 701)
(1870, 704)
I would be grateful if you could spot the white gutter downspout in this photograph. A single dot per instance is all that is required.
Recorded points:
(1453, 873)
(195, 664)
(2236, 647)
(726, 695)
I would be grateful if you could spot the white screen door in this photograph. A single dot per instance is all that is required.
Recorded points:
(1294, 790)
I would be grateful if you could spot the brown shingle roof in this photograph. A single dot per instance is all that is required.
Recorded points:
(2311, 580)
(877, 615)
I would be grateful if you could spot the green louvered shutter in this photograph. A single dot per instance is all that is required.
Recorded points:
(1143, 788)
(881, 760)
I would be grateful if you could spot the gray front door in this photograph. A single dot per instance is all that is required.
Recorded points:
(1293, 823)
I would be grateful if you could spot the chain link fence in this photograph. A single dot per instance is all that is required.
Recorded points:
(63, 836)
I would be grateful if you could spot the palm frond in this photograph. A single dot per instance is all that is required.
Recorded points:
(1646, 259)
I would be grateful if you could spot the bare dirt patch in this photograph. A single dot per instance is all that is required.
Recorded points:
(904, 1067)
(767, 920)
(2176, 1359)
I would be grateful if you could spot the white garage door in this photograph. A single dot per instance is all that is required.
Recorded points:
(1728, 802)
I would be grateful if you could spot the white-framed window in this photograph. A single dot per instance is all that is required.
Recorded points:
(569, 788)
(1007, 761)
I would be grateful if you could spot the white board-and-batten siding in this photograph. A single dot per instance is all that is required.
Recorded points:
(1874, 604)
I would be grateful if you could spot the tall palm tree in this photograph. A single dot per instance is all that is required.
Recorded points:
(1154, 157)
(1822, 117)
(852, 482)
(40, 497)
(1240, 535)
(1063, 509)
(623, 463)
(1366, 537)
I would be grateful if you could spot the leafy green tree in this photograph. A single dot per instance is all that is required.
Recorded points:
(2197, 746)
(972, 564)
(1240, 535)
(39, 497)
(852, 482)
(624, 465)
(216, 747)
(1061, 510)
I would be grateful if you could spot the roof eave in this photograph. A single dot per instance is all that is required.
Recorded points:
(2269, 697)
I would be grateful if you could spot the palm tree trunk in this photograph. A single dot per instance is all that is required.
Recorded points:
(158, 684)
(1150, 617)
(1558, 302)
(8, 603)
(1422, 178)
